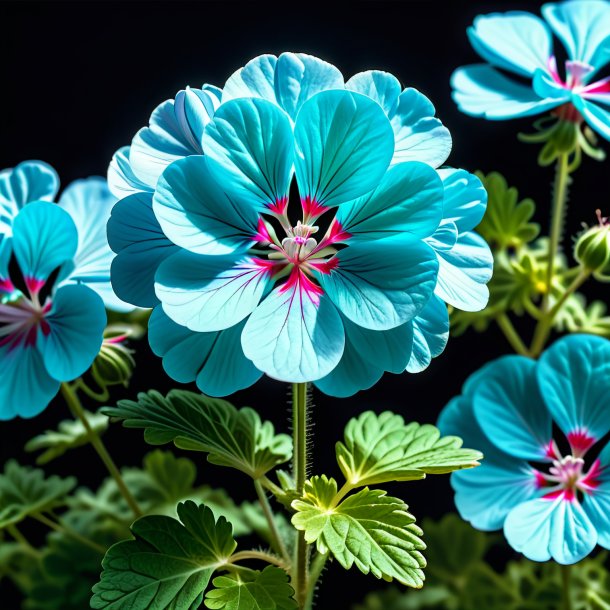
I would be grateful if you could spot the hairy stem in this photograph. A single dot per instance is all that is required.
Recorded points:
(299, 471)
(95, 440)
(59, 527)
(317, 567)
(513, 337)
(276, 539)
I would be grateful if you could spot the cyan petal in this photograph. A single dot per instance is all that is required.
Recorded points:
(481, 91)
(344, 144)
(122, 182)
(571, 376)
(381, 285)
(380, 86)
(295, 334)
(196, 214)
(409, 199)
(430, 334)
(215, 360)
(551, 528)
(583, 26)
(210, 293)
(515, 41)
(6, 251)
(77, 320)
(597, 117)
(25, 386)
(250, 149)
(44, 238)
(546, 86)
(464, 271)
(510, 408)
(29, 181)
(140, 244)
(465, 199)
(194, 109)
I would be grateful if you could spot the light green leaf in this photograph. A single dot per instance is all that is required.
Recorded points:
(506, 223)
(70, 434)
(168, 565)
(382, 448)
(369, 529)
(577, 317)
(266, 590)
(231, 437)
(25, 491)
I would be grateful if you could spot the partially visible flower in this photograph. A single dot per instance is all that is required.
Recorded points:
(521, 43)
(592, 248)
(50, 329)
(547, 491)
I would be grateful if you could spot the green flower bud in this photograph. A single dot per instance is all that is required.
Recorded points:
(114, 364)
(592, 249)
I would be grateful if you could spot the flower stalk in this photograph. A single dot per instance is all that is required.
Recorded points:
(276, 540)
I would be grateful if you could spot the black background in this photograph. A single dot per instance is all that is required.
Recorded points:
(79, 79)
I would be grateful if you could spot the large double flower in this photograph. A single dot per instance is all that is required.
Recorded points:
(549, 491)
(335, 289)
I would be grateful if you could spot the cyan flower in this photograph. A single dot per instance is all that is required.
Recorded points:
(546, 490)
(278, 90)
(50, 327)
(521, 43)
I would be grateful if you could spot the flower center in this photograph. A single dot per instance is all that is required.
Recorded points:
(20, 320)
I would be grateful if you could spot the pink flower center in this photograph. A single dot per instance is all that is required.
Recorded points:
(20, 321)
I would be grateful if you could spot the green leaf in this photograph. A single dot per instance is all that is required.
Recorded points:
(70, 434)
(24, 491)
(382, 448)
(168, 565)
(577, 317)
(266, 590)
(506, 223)
(232, 437)
(369, 529)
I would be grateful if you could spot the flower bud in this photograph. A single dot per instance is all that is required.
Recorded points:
(114, 364)
(592, 249)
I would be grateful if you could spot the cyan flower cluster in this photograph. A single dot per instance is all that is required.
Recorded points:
(348, 283)
(54, 273)
(522, 44)
(544, 489)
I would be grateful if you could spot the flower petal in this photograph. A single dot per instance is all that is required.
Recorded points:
(551, 528)
(25, 386)
(344, 144)
(122, 182)
(76, 321)
(430, 334)
(140, 244)
(595, 115)
(570, 375)
(210, 293)
(465, 198)
(215, 360)
(583, 27)
(380, 86)
(29, 181)
(481, 91)
(510, 409)
(383, 284)
(196, 214)
(409, 199)
(295, 334)
(250, 149)
(515, 41)
(596, 502)
(45, 238)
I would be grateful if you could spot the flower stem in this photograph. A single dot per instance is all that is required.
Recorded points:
(58, 527)
(276, 539)
(260, 555)
(511, 334)
(77, 409)
(566, 581)
(299, 468)
(317, 567)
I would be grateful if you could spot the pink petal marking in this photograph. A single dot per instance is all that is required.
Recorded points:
(580, 442)
(600, 86)
(311, 208)
(6, 286)
(324, 266)
(279, 206)
(569, 495)
(34, 285)
(551, 451)
(262, 233)
(552, 67)
(298, 279)
(267, 267)
(591, 481)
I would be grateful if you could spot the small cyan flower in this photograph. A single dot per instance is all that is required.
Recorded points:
(520, 43)
(344, 285)
(540, 425)
(54, 267)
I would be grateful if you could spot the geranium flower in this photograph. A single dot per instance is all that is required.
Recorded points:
(550, 492)
(50, 327)
(521, 43)
(288, 82)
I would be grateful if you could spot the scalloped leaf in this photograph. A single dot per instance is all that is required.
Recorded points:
(382, 448)
(266, 590)
(369, 529)
(168, 565)
(231, 437)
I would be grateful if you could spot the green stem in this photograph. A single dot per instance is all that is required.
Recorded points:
(317, 567)
(299, 467)
(600, 604)
(268, 484)
(511, 334)
(566, 581)
(276, 539)
(21, 539)
(58, 527)
(77, 409)
(259, 555)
